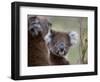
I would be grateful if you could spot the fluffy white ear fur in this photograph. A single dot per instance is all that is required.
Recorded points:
(73, 37)
(47, 37)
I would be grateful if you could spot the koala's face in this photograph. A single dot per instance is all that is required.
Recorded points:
(61, 42)
(38, 25)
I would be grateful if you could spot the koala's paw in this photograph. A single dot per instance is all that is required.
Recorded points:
(73, 37)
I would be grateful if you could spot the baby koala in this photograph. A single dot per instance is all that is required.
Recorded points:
(59, 46)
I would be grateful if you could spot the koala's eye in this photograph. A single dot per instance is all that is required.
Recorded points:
(49, 24)
(32, 23)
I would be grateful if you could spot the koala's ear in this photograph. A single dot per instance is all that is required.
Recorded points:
(73, 37)
(52, 34)
(47, 38)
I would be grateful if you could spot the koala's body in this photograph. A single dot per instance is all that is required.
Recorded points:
(59, 46)
(58, 60)
(38, 30)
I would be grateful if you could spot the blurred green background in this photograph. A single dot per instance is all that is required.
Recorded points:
(78, 24)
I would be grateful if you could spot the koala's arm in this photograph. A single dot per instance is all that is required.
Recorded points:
(57, 60)
(65, 62)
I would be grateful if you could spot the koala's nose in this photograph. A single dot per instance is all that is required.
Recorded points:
(32, 30)
(61, 47)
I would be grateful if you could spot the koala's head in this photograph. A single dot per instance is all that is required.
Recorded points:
(38, 25)
(61, 42)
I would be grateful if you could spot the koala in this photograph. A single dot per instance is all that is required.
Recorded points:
(38, 32)
(59, 46)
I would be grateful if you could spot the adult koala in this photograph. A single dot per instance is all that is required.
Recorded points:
(38, 32)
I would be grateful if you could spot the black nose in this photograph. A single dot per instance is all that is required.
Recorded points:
(32, 30)
(62, 47)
